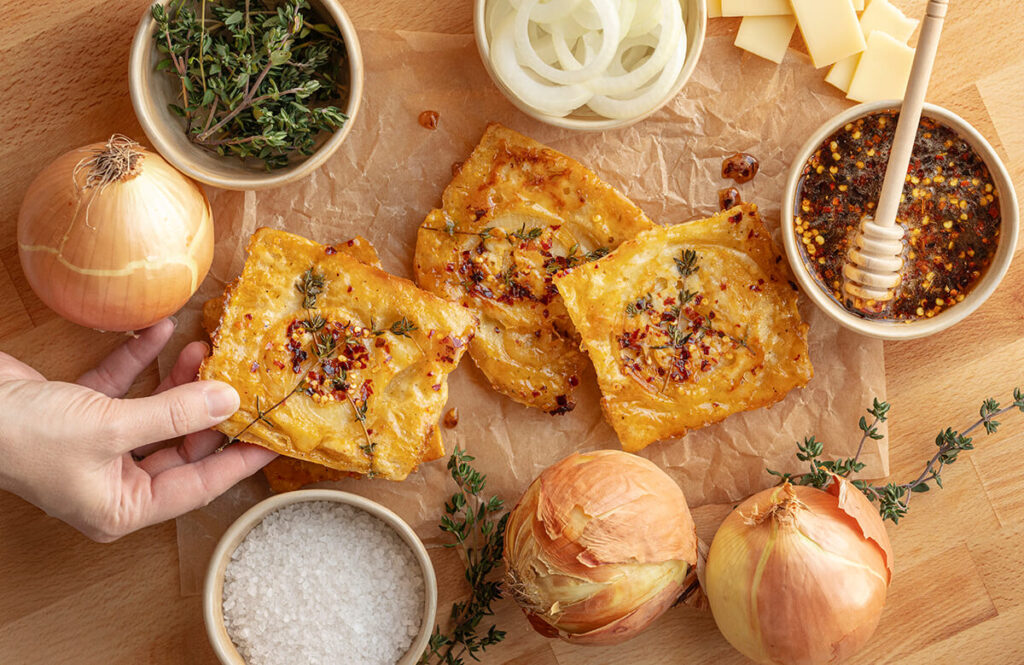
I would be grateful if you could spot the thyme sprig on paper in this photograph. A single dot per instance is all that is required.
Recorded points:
(893, 499)
(257, 78)
(478, 526)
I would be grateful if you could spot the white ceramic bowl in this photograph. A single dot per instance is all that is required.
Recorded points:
(695, 16)
(151, 91)
(891, 330)
(213, 588)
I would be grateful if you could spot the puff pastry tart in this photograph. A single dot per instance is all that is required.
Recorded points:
(284, 474)
(689, 324)
(516, 213)
(336, 362)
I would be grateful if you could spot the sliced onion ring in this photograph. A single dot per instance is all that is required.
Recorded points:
(527, 54)
(671, 35)
(645, 18)
(556, 100)
(647, 98)
(549, 11)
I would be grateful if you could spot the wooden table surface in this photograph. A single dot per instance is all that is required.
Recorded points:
(958, 595)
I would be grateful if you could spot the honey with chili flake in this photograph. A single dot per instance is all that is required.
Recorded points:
(949, 212)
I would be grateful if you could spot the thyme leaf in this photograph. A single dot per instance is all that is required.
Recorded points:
(686, 264)
(526, 235)
(310, 285)
(403, 327)
(641, 304)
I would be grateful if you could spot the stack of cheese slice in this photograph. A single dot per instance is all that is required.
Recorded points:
(869, 56)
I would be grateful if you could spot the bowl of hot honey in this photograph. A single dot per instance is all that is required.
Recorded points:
(958, 212)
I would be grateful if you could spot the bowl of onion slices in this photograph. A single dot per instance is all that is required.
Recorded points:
(590, 64)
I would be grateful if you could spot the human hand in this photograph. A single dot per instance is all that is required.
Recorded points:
(68, 447)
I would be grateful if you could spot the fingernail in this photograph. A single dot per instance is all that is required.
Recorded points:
(221, 401)
(174, 321)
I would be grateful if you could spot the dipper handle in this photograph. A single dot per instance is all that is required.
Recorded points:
(910, 114)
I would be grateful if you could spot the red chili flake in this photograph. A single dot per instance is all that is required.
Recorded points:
(248, 317)
(330, 251)
(565, 405)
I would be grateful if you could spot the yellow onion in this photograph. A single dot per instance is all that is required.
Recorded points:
(798, 575)
(599, 547)
(112, 237)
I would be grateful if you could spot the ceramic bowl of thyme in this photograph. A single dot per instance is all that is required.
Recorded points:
(246, 94)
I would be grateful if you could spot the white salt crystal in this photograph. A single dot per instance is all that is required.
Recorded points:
(322, 582)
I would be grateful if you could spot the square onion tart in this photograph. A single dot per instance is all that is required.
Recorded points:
(336, 361)
(516, 213)
(688, 324)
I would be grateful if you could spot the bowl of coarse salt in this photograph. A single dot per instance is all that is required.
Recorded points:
(319, 576)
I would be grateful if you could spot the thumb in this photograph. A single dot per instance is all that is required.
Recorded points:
(188, 408)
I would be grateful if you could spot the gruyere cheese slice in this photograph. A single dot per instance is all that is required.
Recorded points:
(830, 29)
(714, 8)
(883, 71)
(755, 7)
(881, 15)
(842, 72)
(766, 36)
(858, 5)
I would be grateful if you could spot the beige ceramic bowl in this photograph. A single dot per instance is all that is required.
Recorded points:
(151, 91)
(213, 587)
(695, 16)
(983, 289)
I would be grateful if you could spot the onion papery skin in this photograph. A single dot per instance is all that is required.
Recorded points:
(119, 256)
(798, 576)
(598, 547)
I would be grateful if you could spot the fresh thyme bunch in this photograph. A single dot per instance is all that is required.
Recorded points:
(257, 80)
(478, 526)
(894, 499)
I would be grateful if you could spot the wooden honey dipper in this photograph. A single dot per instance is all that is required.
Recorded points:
(874, 263)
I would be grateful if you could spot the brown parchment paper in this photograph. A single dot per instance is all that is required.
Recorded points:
(390, 173)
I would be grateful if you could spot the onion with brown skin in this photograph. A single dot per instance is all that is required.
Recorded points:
(798, 575)
(599, 547)
(112, 237)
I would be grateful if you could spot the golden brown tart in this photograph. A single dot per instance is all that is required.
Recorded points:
(689, 324)
(285, 474)
(336, 362)
(514, 214)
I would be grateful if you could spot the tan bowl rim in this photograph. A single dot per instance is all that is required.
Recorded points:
(885, 330)
(694, 48)
(155, 130)
(213, 585)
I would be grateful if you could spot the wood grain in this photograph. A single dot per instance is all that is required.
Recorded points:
(958, 594)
